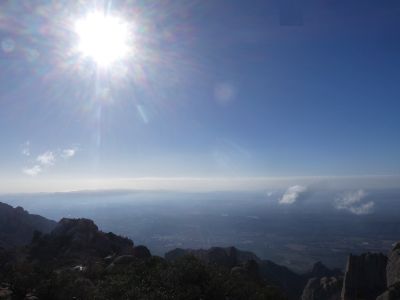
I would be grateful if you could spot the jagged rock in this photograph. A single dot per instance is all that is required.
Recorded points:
(365, 277)
(393, 266)
(319, 270)
(141, 252)
(325, 288)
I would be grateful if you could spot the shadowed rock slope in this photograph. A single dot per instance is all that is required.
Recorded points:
(17, 226)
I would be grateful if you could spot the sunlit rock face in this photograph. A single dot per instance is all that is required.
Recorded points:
(393, 266)
(325, 288)
(365, 277)
(392, 275)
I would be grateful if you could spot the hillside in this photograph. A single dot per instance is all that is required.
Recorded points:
(17, 226)
(78, 261)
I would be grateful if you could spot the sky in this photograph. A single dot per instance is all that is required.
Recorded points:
(211, 90)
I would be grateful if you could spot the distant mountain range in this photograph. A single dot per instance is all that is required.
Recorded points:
(73, 259)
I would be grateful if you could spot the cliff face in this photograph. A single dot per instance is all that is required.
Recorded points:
(392, 275)
(17, 226)
(365, 277)
(393, 266)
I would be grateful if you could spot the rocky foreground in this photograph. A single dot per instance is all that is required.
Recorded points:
(73, 259)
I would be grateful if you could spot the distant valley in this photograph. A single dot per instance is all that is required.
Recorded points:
(296, 236)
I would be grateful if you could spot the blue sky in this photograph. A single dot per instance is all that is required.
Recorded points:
(213, 89)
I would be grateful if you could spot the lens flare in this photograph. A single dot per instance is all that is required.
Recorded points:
(102, 38)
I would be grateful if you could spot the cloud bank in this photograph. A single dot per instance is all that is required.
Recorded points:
(354, 202)
(292, 194)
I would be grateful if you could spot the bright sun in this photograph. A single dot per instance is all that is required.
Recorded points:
(103, 38)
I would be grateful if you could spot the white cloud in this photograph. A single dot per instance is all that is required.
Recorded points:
(292, 194)
(354, 202)
(26, 149)
(46, 159)
(35, 170)
(68, 153)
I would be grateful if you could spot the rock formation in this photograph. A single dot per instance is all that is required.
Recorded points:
(79, 238)
(365, 277)
(392, 275)
(17, 226)
(324, 288)
(244, 262)
(320, 270)
(393, 266)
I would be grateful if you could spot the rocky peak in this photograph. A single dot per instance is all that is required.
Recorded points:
(83, 230)
(80, 238)
(320, 270)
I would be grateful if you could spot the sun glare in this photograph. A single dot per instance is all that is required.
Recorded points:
(103, 38)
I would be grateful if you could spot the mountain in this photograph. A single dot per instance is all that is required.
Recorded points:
(17, 226)
(80, 239)
(73, 259)
(289, 282)
(76, 260)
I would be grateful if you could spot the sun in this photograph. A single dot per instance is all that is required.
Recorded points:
(102, 38)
